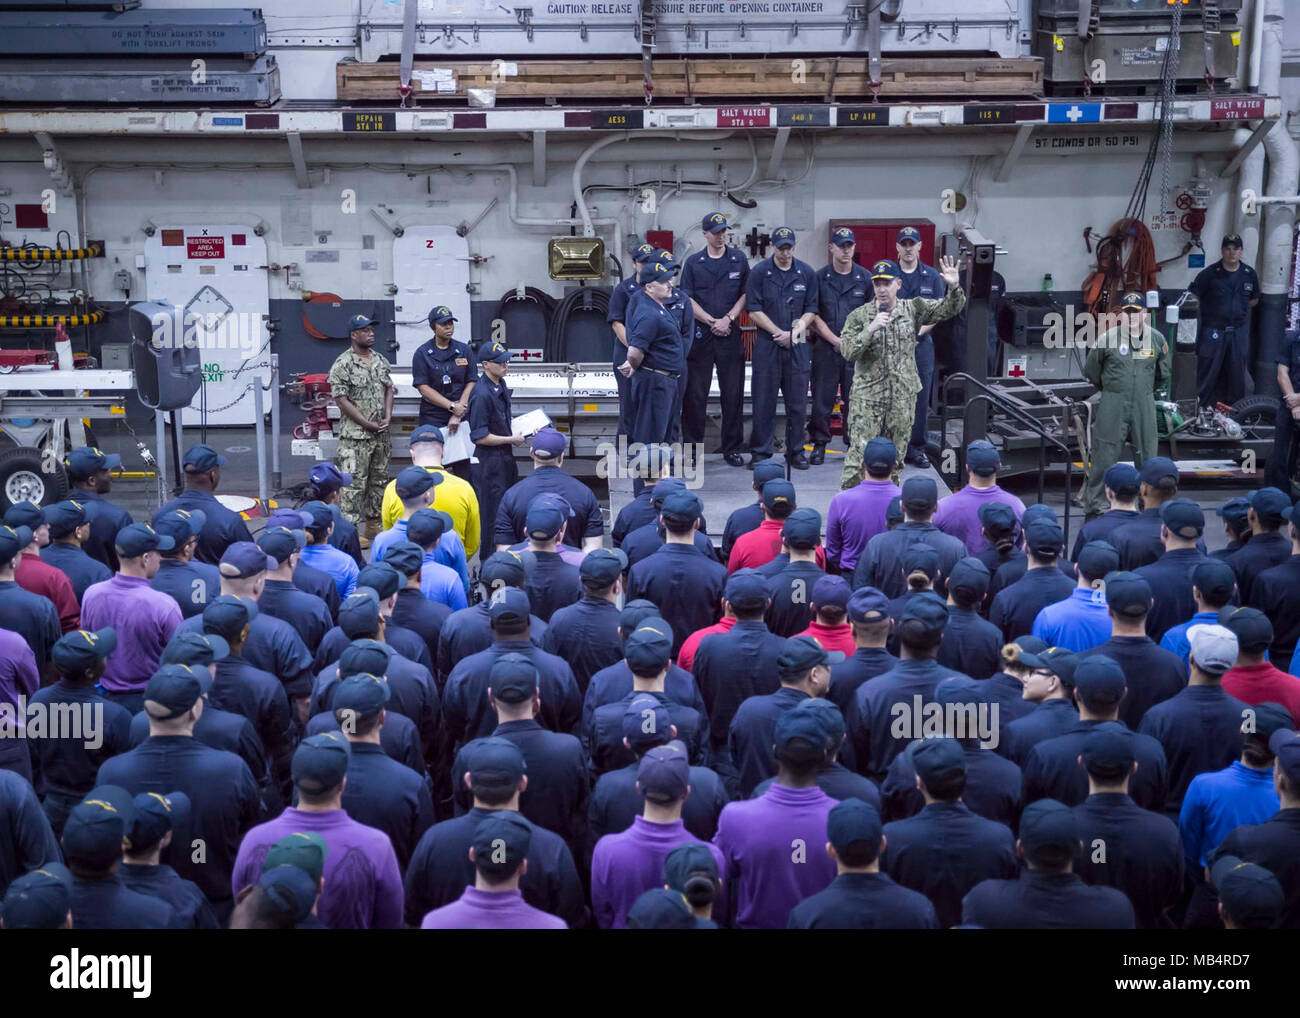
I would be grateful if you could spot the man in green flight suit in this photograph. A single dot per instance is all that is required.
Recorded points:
(879, 338)
(1131, 365)
(362, 386)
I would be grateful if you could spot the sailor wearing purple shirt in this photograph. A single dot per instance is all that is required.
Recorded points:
(858, 514)
(771, 843)
(958, 514)
(363, 886)
(834, 778)
(143, 618)
(860, 897)
(500, 855)
(627, 864)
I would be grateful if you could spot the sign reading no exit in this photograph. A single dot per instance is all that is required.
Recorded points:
(205, 247)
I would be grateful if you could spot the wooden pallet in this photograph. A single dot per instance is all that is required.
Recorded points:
(689, 79)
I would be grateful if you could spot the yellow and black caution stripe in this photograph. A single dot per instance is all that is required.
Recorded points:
(49, 321)
(49, 254)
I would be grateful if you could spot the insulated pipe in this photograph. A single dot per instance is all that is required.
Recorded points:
(1256, 44)
(1278, 228)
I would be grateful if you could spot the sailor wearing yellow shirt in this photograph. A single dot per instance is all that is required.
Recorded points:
(453, 496)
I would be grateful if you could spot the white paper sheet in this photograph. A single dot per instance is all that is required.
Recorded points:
(530, 423)
(458, 447)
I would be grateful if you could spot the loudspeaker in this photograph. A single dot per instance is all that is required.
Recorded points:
(168, 370)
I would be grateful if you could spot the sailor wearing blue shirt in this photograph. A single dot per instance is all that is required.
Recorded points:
(1212, 585)
(322, 555)
(619, 300)
(1081, 621)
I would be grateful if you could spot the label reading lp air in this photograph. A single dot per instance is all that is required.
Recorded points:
(862, 116)
(617, 120)
(369, 122)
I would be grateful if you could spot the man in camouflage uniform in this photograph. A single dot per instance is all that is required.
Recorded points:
(880, 339)
(362, 386)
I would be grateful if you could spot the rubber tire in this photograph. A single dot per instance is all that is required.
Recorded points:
(28, 458)
(1253, 404)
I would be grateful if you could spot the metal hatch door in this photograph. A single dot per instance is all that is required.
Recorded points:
(430, 267)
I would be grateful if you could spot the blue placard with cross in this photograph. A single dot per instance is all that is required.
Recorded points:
(1074, 113)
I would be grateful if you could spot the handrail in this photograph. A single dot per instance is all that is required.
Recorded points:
(993, 398)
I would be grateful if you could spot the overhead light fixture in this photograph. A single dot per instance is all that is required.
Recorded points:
(576, 257)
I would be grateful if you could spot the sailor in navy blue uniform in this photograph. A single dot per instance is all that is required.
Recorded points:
(654, 464)
(26, 836)
(656, 356)
(445, 371)
(31, 616)
(412, 610)
(803, 669)
(1281, 464)
(715, 279)
(90, 478)
(552, 583)
(919, 280)
(1049, 894)
(307, 613)
(222, 527)
(992, 781)
(380, 792)
(791, 611)
(41, 899)
(69, 531)
(873, 718)
(441, 868)
(1170, 576)
(1200, 727)
(616, 801)
(649, 538)
(1144, 856)
(861, 897)
(946, 849)
(220, 786)
(842, 286)
(92, 846)
(469, 630)
(681, 312)
(1270, 540)
(619, 298)
(466, 706)
(1236, 526)
(64, 768)
(781, 296)
(1051, 767)
(1006, 687)
(833, 778)
(307, 577)
(616, 681)
(880, 564)
(190, 583)
(1227, 290)
(679, 578)
(558, 782)
(585, 528)
(868, 613)
(1157, 673)
(586, 633)
(647, 653)
(1016, 606)
(1250, 897)
(1048, 685)
(971, 645)
(739, 663)
(1138, 541)
(493, 437)
(1122, 482)
(149, 833)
